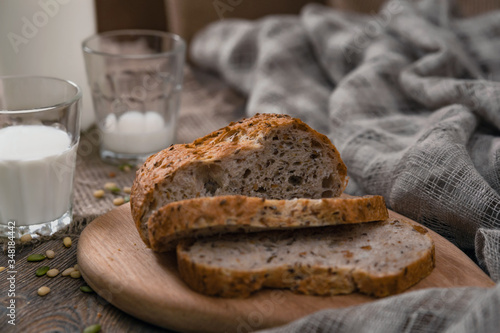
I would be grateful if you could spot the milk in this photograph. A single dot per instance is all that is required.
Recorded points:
(36, 174)
(137, 133)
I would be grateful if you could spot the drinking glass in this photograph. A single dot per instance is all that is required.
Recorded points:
(135, 78)
(39, 134)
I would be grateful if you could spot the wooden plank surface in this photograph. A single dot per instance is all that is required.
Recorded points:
(65, 308)
(117, 264)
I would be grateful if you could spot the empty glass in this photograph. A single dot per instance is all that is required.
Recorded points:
(135, 77)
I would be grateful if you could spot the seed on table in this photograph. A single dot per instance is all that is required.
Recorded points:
(86, 289)
(2, 269)
(76, 267)
(92, 329)
(127, 189)
(67, 241)
(50, 254)
(42, 291)
(115, 190)
(26, 238)
(75, 274)
(99, 194)
(36, 257)
(53, 272)
(42, 270)
(125, 167)
(109, 185)
(112, 187)
(67, 271)
(126, 199)
(118, 201)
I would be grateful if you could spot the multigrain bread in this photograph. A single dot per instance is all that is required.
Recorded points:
(379, 259)
(269, 156)
(193, 218)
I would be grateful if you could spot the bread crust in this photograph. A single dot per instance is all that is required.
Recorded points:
(215, 280)
(235, 213)
(160, 169)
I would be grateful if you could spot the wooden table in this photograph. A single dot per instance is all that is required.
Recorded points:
(207, 104)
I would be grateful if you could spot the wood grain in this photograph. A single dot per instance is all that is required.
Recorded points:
(65, 308)
(117, 264)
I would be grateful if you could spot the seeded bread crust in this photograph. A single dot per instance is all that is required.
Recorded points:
(270, 156)
(378, 259)
(194, 218)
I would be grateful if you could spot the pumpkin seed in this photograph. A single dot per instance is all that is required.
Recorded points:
(92, 329)
(115, 190)
(42, 270)
(126, 167)
(36, 257)
(86, 289)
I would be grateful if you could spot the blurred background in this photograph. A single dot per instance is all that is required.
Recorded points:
(46, 35)
(186, 17)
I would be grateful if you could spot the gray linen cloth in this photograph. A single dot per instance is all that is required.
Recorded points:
(411, 99)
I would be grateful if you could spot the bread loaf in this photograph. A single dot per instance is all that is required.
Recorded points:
(269, 156)
(378, 258)
(235, 213)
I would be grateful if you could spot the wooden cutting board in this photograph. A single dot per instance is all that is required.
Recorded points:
(119, 267)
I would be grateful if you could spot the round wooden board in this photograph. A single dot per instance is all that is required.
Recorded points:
(119, 267)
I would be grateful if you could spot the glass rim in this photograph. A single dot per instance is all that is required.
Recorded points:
(66, 102)
(180, 47)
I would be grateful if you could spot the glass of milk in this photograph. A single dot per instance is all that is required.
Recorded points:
(39, 134)
(135, 77)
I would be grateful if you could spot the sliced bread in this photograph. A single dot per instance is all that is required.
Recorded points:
(199, 217)
(379, 259)
(269, 156)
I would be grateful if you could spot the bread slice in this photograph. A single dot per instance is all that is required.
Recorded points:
(235, 213)
(379, 259)
(269, 156)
